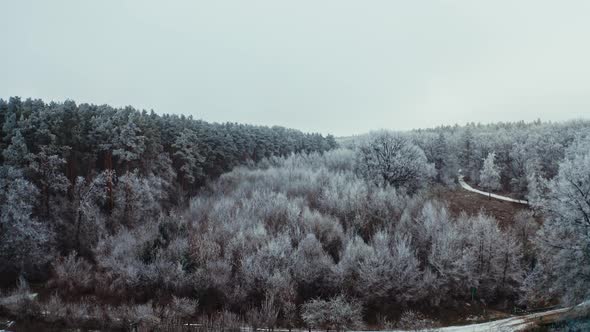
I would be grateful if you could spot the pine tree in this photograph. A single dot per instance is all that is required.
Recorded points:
(47, 172)
(466, 152)
(128, 143)
(187, 158)
(17, 154)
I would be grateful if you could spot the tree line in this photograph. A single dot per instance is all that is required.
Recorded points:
(524, 154)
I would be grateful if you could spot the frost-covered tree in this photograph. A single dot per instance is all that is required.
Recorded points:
(355, 257)
(9, 125)
(187, 157)
(536, 191)
(289, 314)
(466, 152)
(336, 313)
(392, 272)
(47, 172)
(392, 159)
(564, 239)
(17, 154)
(87, 223)
(137, 198)
(489, 177)
(313, 268)
(24, 242)
(436, 147)
(264, 267)
(128, 143)
(266, 315)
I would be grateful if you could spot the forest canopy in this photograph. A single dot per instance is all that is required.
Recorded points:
(67, 166)
(165, 213)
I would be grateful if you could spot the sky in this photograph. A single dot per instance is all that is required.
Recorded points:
(330, 66)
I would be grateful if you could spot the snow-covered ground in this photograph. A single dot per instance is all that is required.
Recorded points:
(511, 324)
(507, 324)
(517, 323)
(503, 198)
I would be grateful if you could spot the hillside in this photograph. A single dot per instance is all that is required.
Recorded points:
(119, 218)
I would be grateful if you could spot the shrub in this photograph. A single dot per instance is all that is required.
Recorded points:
(20, 303)
(72, 274)
(415, 321)
(221, 320)
(179, 308)
(336, 313)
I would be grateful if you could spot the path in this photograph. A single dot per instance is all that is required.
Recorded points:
(519, 323)
(502, 198)
(511, 324)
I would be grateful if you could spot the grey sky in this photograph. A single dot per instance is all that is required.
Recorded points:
(341, 67)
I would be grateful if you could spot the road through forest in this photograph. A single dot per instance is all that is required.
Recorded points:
(465, 186)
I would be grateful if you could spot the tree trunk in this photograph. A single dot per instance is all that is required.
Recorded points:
(109, 166)
(46, 200)
(78, 227)
(505, 269)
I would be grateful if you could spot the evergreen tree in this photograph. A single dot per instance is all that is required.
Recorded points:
(188, 158)
(17, 154)
(466, 152)
(128, 143)
(47, 172)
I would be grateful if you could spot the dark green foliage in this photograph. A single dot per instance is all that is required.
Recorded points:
(91, 138)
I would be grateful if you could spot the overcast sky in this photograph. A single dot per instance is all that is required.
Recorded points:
(341, 67)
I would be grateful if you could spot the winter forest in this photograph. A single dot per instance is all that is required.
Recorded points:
(116, 218)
